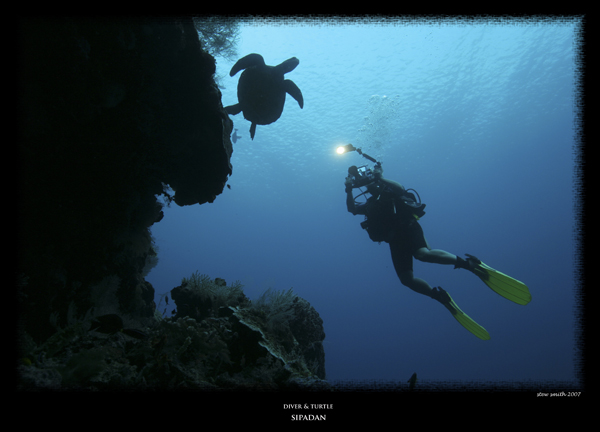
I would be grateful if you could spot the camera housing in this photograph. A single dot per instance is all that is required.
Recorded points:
(365, 176)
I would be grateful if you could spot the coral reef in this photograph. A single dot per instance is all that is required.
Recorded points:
(199, 297)
(229, 343)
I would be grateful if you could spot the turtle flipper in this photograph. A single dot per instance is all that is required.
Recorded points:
(292, 89)
(233, 109)
(252, 130)
(244, 62)
(288, 65)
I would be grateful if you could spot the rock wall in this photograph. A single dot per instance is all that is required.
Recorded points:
(110, 111)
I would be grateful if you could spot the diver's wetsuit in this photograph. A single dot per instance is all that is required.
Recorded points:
(390, 217)
(408, 237)
(401, 231)
(404, 244)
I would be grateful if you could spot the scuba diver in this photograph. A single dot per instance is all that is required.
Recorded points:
(391, 215)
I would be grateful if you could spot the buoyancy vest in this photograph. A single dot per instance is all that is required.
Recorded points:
(389, 212)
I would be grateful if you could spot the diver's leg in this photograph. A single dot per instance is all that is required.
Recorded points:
(416, 284)
(403, 266)
(402, 260)
(435, 256)
(401, 248)
(423, 252)
(420, 286)
(438, 256)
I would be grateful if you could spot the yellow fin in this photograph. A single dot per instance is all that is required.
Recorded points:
(466, 321)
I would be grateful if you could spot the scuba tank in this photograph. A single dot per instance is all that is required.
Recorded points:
(410, 200)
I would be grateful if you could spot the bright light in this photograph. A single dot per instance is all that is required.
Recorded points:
(345, 148)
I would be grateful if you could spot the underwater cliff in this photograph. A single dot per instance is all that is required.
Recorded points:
(217, 340)
(116, 116)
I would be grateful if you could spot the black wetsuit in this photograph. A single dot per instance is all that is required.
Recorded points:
(405, 238)
(405, 243)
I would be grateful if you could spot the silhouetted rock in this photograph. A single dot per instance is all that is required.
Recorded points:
(110, 111)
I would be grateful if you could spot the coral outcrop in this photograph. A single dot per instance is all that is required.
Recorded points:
(224, 341)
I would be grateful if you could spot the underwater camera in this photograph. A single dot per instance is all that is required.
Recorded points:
(361, 176)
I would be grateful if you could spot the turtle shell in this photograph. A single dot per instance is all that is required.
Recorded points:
(261, 94)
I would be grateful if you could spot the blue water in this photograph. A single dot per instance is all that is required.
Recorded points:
(479, 119)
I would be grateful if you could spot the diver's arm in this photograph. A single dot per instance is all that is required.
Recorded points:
(349, 197)
(350, 202)
(352, 207)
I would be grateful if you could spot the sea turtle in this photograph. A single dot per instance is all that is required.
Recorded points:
(262, 88)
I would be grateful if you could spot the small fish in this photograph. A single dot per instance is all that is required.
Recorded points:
(412, 381)
(235, 137)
